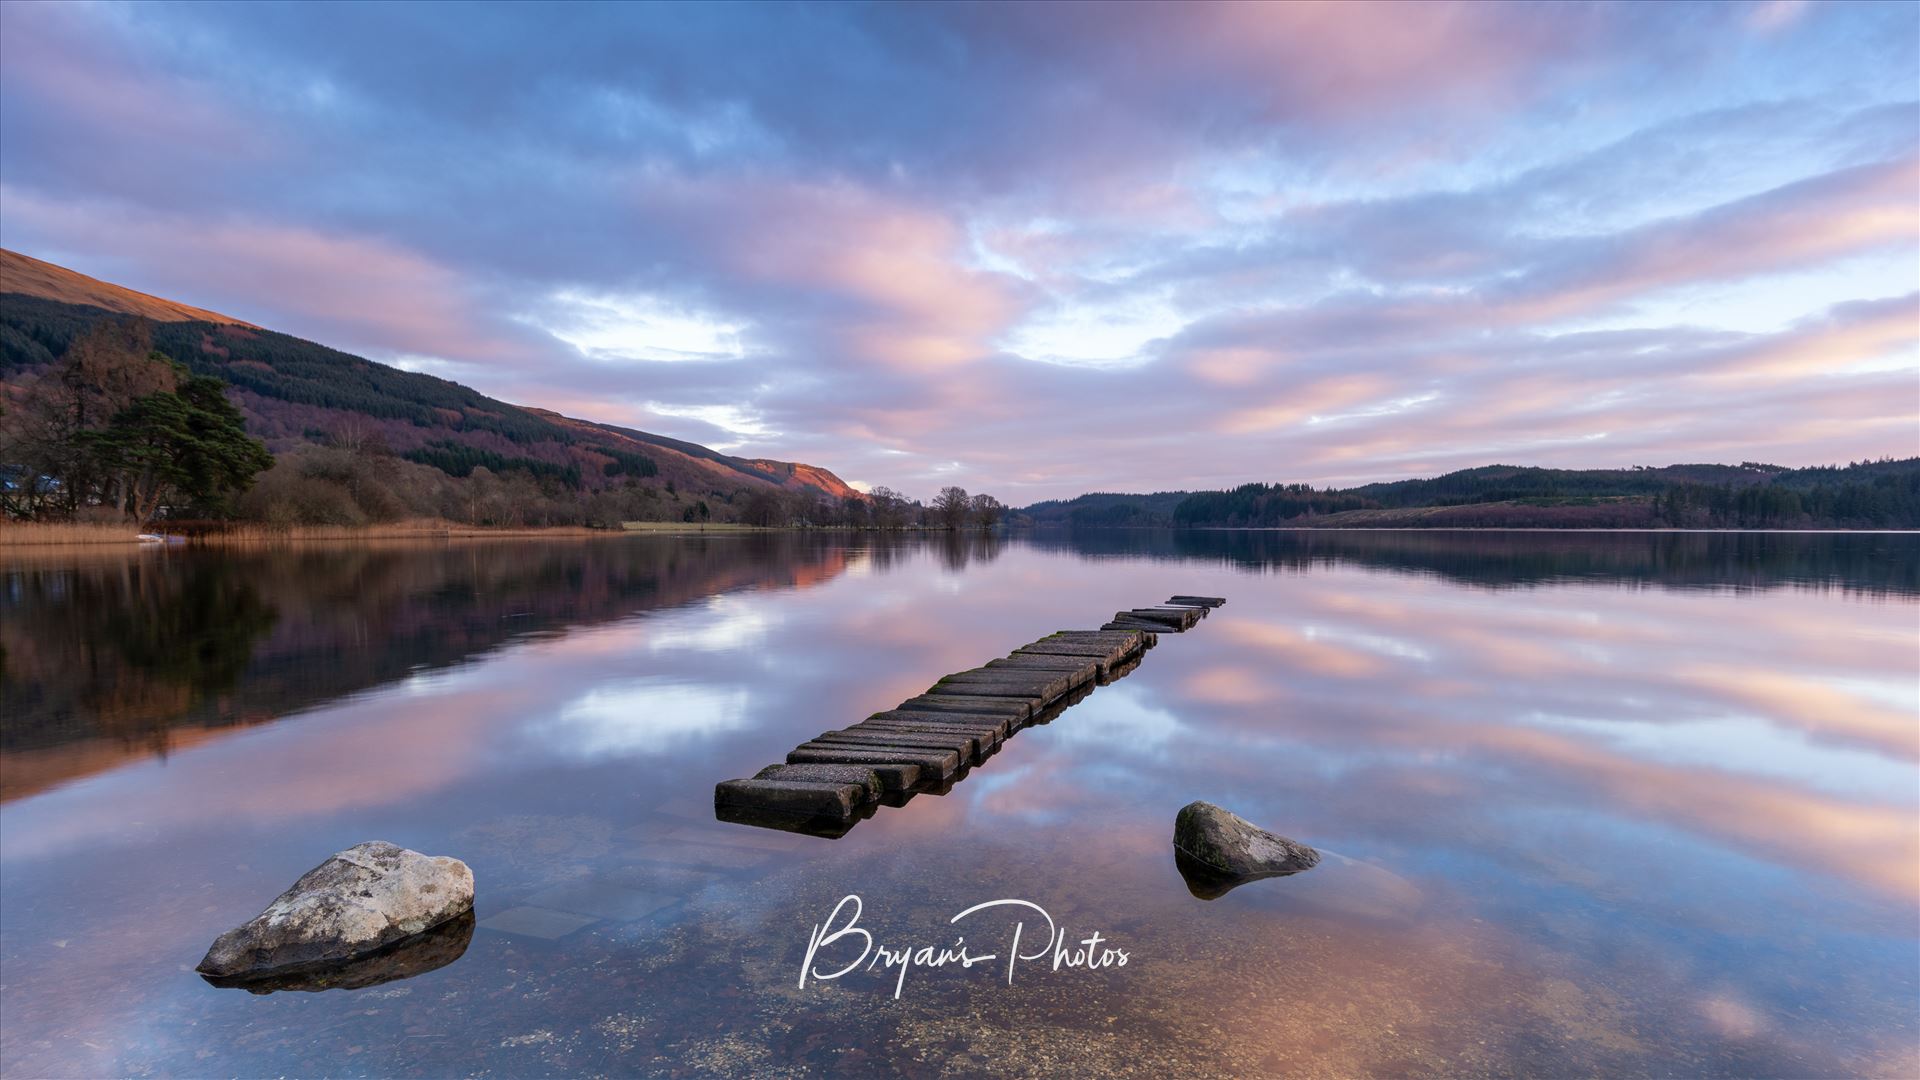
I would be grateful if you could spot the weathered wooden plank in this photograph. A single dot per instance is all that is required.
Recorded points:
(1124, 621)
(1006, 691)
(803, 798)
(967, 703)
(987, 737)
(1046, 662)
(870, 781)
(984, 742)
(1202, 601)
(934, 764)
(1076, 669)
(1000, 724)
(1122, 641)
(1182, 617)
(1045, 685)
(970, 745)
(829, 828)
(1103, 636)
(1091, 650)
(997, 723)
(961, 745)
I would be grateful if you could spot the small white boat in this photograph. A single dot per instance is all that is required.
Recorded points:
(151, 538)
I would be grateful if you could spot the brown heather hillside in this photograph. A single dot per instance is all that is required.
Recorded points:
(25, 274)
(295, 392)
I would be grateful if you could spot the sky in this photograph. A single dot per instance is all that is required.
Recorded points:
(1033, 250)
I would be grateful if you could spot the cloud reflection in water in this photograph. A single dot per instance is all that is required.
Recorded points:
(645, 716)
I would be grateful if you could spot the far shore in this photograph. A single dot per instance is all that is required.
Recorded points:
(93, 535)
(63, 534)
(41, 536)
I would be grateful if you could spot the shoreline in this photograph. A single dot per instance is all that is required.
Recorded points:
(26, 535)
(1465, 528)
(39, 536)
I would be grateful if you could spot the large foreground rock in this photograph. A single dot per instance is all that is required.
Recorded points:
(1217, 850)
(426, 951)
(356, 903)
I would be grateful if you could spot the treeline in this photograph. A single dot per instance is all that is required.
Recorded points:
(117, 429)
(885, 509)
(1865, 494)
(1506, 483)
(1106, 509)
(354, 479)
(459, 459)
(1888, 500)
(1254, 505)
(357, 480)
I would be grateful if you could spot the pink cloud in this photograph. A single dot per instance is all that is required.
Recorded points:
(890, 267)
(350, 291)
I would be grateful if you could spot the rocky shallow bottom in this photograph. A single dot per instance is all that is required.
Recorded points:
(1353, 972)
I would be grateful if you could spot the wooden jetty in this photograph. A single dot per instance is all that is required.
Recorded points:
(928, 742)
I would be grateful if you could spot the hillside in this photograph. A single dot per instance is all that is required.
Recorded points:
(1868, 494)
(294, 392)
(30, 276)
(1107, 509)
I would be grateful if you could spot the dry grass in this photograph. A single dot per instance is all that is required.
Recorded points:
(64, 534)
(240, 534)
(44, 535)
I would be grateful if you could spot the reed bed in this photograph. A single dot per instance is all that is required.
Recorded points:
(64, 534)
(44, 535)
(237, 534)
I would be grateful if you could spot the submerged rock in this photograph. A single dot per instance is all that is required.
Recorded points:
(356, 903)
(410, 956)
(1217, 850)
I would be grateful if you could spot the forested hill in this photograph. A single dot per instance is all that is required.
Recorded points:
(296, 392)
(1107, 509)
(1867, 495)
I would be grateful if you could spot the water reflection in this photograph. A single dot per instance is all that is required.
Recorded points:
(1864, 562)
(1616, 805)
(110, 660)
(428, 951)
(1208, 883)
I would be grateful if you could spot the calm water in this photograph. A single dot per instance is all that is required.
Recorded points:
(1626, 804)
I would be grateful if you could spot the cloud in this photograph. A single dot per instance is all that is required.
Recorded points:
(1039, 250)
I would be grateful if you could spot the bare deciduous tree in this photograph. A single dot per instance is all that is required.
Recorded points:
(987, 511)
(952, 506)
